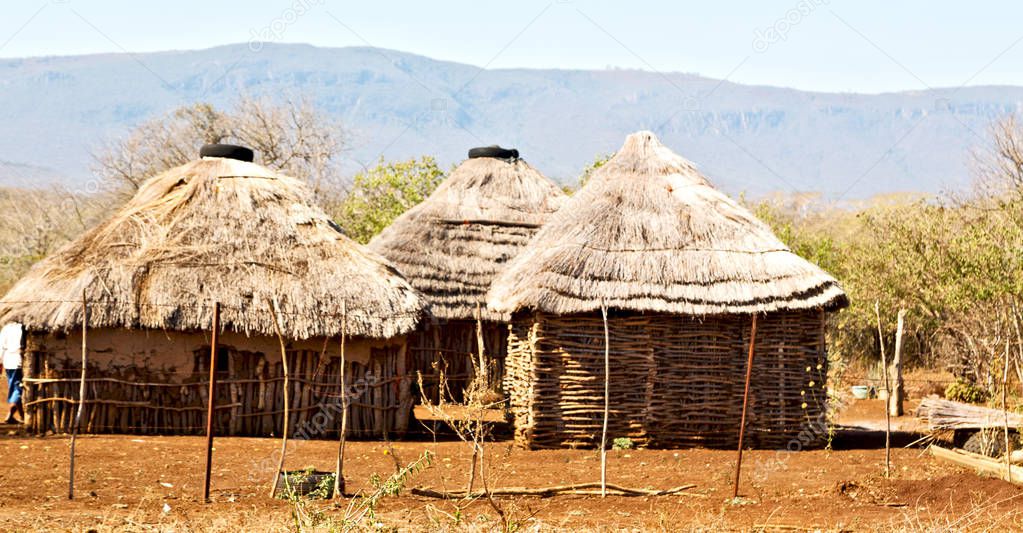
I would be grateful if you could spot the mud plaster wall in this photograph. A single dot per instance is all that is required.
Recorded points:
(172, 354)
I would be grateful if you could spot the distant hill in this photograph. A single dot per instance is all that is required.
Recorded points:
(55, 111)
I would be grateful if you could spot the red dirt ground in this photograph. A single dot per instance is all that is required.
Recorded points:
(124, 482)
(154, 483)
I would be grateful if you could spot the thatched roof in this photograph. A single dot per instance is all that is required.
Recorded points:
(650, 233)
(217, 229)
(452, 244)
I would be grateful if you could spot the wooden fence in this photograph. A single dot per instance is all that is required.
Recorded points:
(249, 396)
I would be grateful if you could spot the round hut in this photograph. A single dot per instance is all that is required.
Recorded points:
(680, 269)
(218, 229)
(451, 246)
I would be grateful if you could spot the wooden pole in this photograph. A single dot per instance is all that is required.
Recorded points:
(81, 396)
(482, 383)
(745, 403)
(1005, 412)
(275, 311)
(887, 396)
(339, 478)
(898, 389)
(211, 401)
(607, 401)
(480, 351)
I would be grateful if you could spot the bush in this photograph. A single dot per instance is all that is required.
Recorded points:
(962, 391)
(622, 443)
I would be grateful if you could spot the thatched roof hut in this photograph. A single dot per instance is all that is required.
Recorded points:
(217, 229)
(225, 230)
(681, 266)
(452, 245)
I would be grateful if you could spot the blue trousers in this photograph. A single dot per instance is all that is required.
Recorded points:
(14, 386)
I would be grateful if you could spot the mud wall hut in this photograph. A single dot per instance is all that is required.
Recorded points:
(226, 230)
(452, 245)
(681, 268)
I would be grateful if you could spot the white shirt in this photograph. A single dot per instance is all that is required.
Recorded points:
(10, 345)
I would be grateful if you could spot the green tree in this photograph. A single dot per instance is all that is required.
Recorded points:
(380, 194)
(588, 171)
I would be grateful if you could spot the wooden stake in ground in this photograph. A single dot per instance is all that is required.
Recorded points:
(275, 312)
(887, 396)
(1005, 411)
(607, 402)
(339, 468)
(480, 383)
(211, 401)
(745, 403)
(898, 389)
(81, 397)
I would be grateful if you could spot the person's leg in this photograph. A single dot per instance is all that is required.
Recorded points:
(14, 396)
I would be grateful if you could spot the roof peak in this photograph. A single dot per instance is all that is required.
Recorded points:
(649, 233)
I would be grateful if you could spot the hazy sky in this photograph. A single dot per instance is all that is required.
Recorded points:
(834, 45)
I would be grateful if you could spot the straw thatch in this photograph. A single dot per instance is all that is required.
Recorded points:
(225, 230)
(452, 245)
(650, 233)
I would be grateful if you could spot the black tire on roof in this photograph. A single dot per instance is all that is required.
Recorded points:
(227, 151)
(493, 151)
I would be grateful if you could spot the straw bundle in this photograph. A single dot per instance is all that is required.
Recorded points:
(225, 230)
(942, 414)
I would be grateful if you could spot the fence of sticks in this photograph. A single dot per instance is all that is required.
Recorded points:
(142, 397)
(675, 381)
(250, 399)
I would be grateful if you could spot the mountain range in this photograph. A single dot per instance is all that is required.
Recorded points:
(57, 111)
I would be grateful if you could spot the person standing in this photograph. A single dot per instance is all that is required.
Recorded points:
(10, 357)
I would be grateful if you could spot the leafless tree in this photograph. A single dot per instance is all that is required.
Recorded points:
(289, 135)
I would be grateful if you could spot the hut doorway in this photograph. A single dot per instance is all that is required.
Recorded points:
(450, 348)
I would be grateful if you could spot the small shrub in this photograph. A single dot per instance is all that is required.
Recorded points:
(622, 443)
(323, 489)
(962, 391)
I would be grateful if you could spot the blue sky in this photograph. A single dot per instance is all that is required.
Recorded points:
(834, 45)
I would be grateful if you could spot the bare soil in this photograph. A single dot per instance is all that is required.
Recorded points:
(155, 483)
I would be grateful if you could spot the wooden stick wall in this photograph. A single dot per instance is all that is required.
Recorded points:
(675, 381)
(249, 402)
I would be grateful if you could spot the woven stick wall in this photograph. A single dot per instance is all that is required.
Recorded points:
(451, 346)
(675, 381)
(249, 396)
